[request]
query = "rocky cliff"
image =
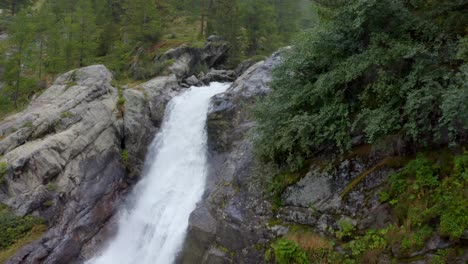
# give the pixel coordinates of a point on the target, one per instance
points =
(75, 152)
(248, 206)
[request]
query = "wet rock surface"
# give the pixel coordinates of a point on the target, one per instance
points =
(232, 200)
(243, 222)
(187, 61)
(64, 156)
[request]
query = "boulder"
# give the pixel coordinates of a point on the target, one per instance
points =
(219, 76)
(192, 81)
(187, 61)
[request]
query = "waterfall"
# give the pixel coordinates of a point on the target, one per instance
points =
(151, 230)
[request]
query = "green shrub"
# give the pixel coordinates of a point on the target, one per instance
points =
(288, 252)
(372, 240)
(425, 191)
(125, 158)
(346, 229)
(14, 227)
(374, 68)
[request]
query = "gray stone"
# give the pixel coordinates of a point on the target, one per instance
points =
(193, 81)
(72, 137)
(232, 195)
(188, 61)
(219, 76)
(313, 188)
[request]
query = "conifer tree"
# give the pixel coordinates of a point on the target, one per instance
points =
(21, 34)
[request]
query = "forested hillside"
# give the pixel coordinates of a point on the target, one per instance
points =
(48, 37)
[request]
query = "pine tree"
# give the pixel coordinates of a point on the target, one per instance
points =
(142, 22)
(258, 18)
(226, 23)
(21, 35)
(87, 32)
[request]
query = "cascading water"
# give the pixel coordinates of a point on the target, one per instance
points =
(152, 231)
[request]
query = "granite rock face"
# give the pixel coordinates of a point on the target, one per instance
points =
(64, 156)
(187, 61)
(236, 222)
(232, 204)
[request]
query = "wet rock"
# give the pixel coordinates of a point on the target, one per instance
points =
(214, 38)
(219, 76)
(313, 188)
(216, 256)
(187, 61)
(193, 81)
(232, 196)
(72, 137)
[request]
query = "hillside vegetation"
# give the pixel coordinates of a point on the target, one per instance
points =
(48, 37)
(370, 69)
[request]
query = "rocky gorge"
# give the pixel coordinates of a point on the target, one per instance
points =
(73, 155)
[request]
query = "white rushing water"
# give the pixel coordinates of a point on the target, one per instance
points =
(152, 229)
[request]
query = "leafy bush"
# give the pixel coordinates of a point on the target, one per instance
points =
(14, 227)
(371, 241)
(346, 229)
(374, 68)
(288, 252)
(426, 191)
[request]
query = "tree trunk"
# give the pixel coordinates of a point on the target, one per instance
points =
(40, 58)
(202, 14)
(82, 44)
(13, 7)
(18, 77)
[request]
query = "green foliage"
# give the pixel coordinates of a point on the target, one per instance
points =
(125, 158)
(142, 21)
(52, 187)
(288, 252)
(48, 203)
(371, 68)
(3, 170)
(14, 227)
(372, 240)
(146, 69)
(66, 114)
(426, 191)
(347, 229)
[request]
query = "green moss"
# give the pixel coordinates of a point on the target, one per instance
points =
(3, 170)
(13, 228)
(34, 234)
(52, 187)
(70, 84)
(392, 162)
(66, 114)
(282, 181)
(287, 252)
(125, 158)
(428, 195)
(28, 124)
(48, 203)
(432, 190)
